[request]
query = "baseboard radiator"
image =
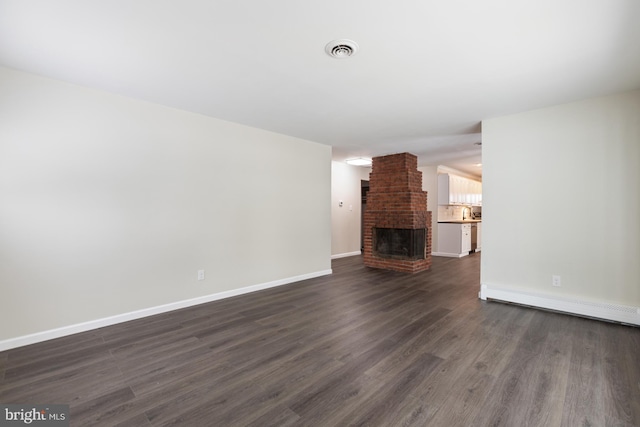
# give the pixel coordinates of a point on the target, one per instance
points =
(599, 310)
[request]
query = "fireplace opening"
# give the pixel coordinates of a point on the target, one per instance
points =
(399, 243)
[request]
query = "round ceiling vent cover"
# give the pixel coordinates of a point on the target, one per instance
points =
(341, 48)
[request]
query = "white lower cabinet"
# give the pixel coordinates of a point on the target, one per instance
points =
(453, 239)
(465, 243)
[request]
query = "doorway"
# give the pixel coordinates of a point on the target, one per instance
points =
(364, 189)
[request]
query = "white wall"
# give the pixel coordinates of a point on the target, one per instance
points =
(110, 205)
(346, 220)
(560, 197)
(430, 185)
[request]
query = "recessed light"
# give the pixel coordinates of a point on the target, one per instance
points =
(360, 161)
(341, 48)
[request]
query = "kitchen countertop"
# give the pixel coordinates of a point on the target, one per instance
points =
(460, 221)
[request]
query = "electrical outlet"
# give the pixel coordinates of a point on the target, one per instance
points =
(200, 274)
(556, 281)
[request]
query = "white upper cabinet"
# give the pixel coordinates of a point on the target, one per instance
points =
(446, 194)
(476, 193)
(456, 190)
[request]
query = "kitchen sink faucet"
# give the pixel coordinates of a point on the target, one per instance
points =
(464, 211)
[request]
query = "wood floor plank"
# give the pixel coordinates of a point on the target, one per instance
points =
(584, 400)
(181, 375)
(203, 406)
(622, 373)
(71, 386)
(3, 364)
(277, 416)
(359, 347)
(394, 391)
(495, 356)
(532, 389)
(145, 377)
(463, 405)
(83, 412)
(279, 384)
(369, 335)
(49, 350)
(138, 421)
(340, 387)
(507, 401)
(548, 392)
(405, 354)
(57, 369)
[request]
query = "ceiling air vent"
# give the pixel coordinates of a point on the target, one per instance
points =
(341, 48)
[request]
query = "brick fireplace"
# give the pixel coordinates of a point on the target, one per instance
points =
(397, 225)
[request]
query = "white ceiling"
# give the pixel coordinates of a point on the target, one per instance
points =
(427, 72)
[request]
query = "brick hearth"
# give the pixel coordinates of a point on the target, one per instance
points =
(396, 201)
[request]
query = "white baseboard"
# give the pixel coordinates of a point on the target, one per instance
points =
(606, 311)
(125, 317)
(347, 254)
(447, 254)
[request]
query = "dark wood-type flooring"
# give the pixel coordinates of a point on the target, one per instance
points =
(359, 347)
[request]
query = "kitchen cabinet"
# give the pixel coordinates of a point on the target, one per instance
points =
(465, 239)
(456, 190)
(449, 189)
(454, 239)
(475, 192)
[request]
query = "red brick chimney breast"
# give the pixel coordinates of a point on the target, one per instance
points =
(396, 201)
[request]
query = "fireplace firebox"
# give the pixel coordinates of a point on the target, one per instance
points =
(399, 243)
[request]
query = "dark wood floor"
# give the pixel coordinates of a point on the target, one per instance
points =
(359, 347)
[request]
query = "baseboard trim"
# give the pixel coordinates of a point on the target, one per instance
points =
(447, 254)
(606, 311)
(146, 312)
(345, 255)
